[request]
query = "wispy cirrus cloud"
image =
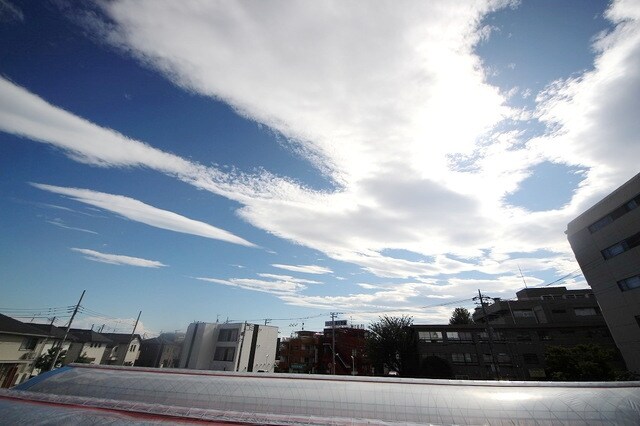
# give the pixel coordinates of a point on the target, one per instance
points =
(144, 213)
(273, 286)
(307, 269)
(118, 259)
(60, 223)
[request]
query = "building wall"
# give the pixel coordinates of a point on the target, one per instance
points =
(76, 350)
(590, 235)
(229, 347)
(519, 349)
(16, 361)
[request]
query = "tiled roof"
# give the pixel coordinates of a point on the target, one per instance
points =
(89, 336)
(9, 325)
(53, 331)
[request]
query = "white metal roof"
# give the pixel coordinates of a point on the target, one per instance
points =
(312, 399)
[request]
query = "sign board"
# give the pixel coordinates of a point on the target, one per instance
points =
(338, 323)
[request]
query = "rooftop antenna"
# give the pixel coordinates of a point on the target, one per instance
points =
(522, 276)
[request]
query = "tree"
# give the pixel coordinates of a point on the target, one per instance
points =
(585, 362)
(390, 343)
(460, 316)
(43, 362)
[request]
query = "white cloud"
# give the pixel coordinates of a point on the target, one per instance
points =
(288, 278)
(277, 286)
(144, 213)
(60, 223)
(307, 269)
(118, 259)
(392, 105)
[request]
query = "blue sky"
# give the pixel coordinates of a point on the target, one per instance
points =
(285, 160)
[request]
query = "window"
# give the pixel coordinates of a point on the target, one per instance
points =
(224, 354)
(622, 246)
(459, 335)
(464, 358)
(430, 336)
(132, 348)
(530, 358)
(617, 213)
(585, 312)
(228, 335)
(504, 358)
(523, 313)
(629, 283)
(600, 224)
(28, 343)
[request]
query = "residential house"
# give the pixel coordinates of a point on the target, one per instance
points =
(89, 347)
(123, 349)
(53, 339)
(162, 351)
(20, 345)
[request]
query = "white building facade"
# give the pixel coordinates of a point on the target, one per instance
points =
(229, 347)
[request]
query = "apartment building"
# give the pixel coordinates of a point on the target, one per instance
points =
(229, 347)
(521, 331)
(123, 349)
(606, 242)
(20, 345)
(162, 351)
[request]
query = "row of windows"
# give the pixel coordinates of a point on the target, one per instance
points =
(522, 336)
(503, 358)
(96, 345)
(617, 213)
(228, 335)
(622, 246)
(224, 354)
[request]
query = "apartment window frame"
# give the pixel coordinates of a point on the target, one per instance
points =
(228, 335)
(615, 214)
(586, 311)
(224, 353)
(629, 283)
(28, 343)
(430, 336)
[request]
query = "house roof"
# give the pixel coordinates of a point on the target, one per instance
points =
(89, 336)
(121, 338)
(55, 332)
(9, 325)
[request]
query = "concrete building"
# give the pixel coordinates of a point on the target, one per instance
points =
(20, 345)
(122, 349)
(546, 305)
(522, 331)
(229, 347)
(299, 353)
(162, 351)
(605, 240)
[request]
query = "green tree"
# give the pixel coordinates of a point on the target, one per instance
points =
(460, 316)
(585, 362)
(390, 343)
(43, 362)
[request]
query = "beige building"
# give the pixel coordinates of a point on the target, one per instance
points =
(89, 345)
(606, 240)
(123, 349)
(20, 345)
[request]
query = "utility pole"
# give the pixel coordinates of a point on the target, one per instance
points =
(131, 338)
(333, 341)
(66, 332)
(489, 333)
